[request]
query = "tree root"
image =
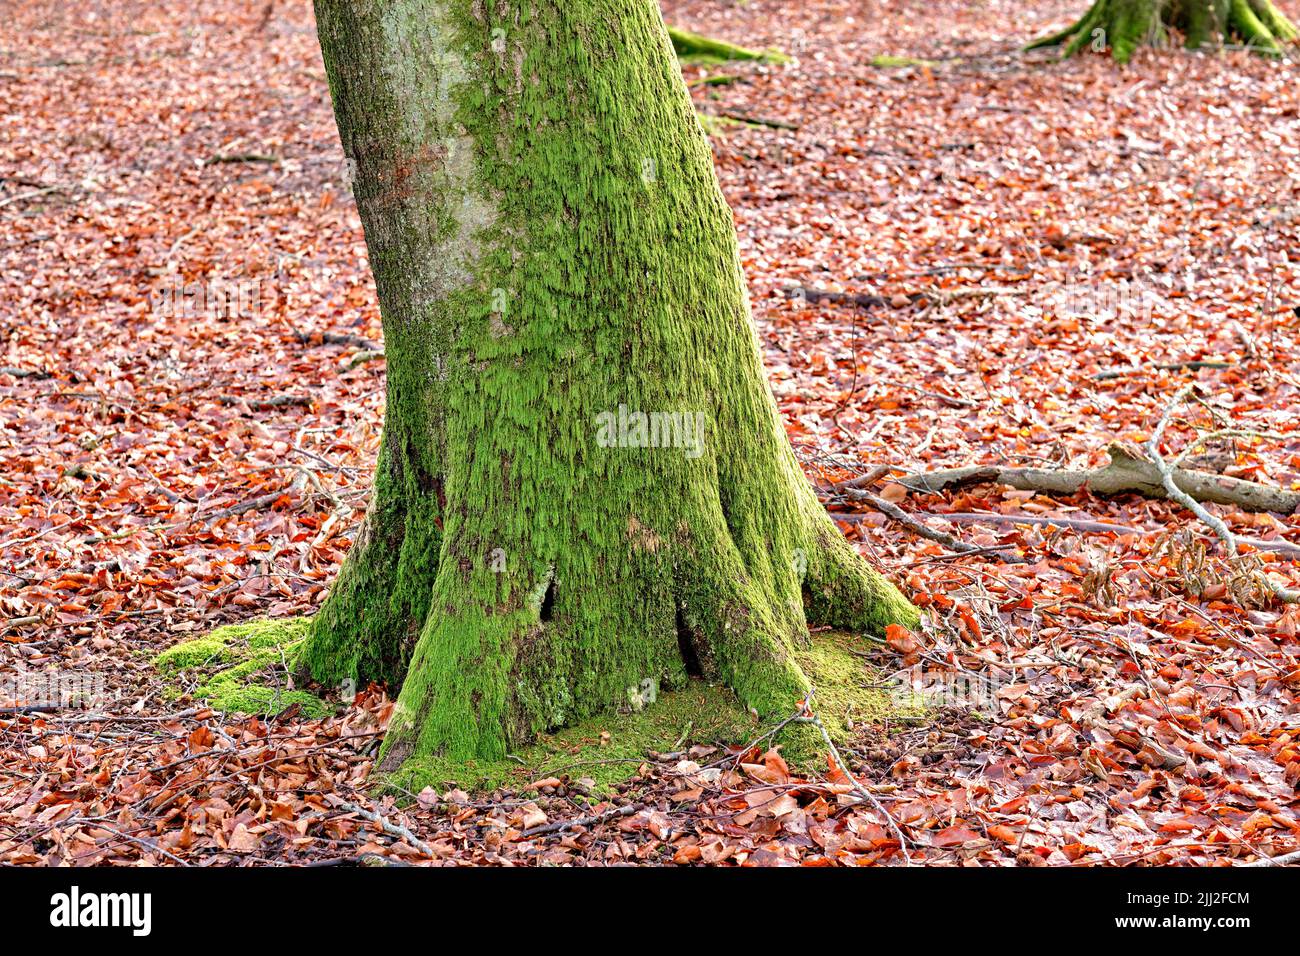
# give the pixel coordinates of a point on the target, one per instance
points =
(1124, 25)
(695, 48)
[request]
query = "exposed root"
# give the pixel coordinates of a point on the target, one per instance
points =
(694, 48)
(609, 747)
(751, 634)
(841, 591)
(1123, 25)
(557, 648)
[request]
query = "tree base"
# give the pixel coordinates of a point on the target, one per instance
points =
(1124, 25)
(711, 568)
(728, 606)
(608, 749)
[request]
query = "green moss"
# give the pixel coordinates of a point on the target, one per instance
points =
(367, 627)
(1247, 22)
(202, 652)
(263, 633)
(609, 748)
(696, 49)
(606, 749)
(716, 125)
(847, 687)
(237, 698)
(228, 661)
(885, 61)
(717, 79)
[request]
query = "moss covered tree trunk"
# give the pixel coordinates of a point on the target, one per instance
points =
(1123, 25)
(584, 491)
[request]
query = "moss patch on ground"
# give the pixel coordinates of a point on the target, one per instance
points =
(234, 666)
(884, 61)
(850, 692)
(610, 748)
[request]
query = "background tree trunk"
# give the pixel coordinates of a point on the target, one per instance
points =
(1124, 25)
(553, 256)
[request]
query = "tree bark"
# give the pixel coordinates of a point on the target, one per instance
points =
(584, 487)
(1123, 25)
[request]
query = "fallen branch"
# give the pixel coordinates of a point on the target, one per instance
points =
(1129, 472)
(1074, 524)
(217, 159)
(258, 503)
(1286, 859)
(977, 517)
(864, 480)
(392, 829)
(21, 197)
(1086, 525)
(1169, 479)
(36, 373)
(811, 717)
(867, 300)
(131, 718)
(275, 401)
(35, 709)
(362, 357)
(361, 859)
(1162, 366)
(335, 338)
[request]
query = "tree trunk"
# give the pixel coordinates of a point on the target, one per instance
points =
(1124, 25)
(585, 490)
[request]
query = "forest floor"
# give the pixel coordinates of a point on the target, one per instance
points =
(1037, 247)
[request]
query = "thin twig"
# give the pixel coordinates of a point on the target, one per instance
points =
(148, 844)
(809, 716)
(907, 521)
(595, 818)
